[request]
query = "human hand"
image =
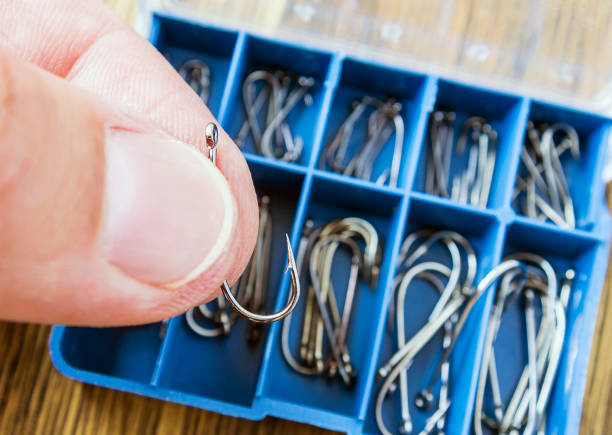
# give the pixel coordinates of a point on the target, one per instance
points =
(110, 213)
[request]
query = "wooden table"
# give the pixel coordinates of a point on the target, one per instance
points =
(36, 399)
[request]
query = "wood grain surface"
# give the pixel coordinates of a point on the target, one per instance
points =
(36, 399)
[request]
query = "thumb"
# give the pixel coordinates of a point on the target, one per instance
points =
(104, 220)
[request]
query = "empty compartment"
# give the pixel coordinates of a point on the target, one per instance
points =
(504, 113)
(563, 251)
(227, 368)
(582, 173)
(483, 232)
(359, 80)
(180, 41)
(330, 399)
(125, 352)
(259, 54)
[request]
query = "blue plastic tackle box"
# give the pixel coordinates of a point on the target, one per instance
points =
(229, 377)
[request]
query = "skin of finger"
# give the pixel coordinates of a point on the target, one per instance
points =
(173, 106)
(53, 268)
(85, 43)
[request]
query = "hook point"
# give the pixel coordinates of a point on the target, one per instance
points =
(290, 257)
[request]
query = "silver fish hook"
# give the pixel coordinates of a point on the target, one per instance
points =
(212, 136)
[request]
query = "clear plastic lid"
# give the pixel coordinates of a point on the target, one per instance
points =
(548, 49)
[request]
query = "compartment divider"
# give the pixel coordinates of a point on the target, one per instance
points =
(334, 421)
(162, 353)
(330, 85)
(232, 84)
(428, 99)
(446, 202)
(392, 247)
(597, 195)
(561, 232)
(153, 37)
(514, 156)
(355, 182)
(273, 163)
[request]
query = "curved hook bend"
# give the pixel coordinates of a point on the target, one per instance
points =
(291, 303)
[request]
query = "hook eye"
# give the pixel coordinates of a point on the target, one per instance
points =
(269, 318)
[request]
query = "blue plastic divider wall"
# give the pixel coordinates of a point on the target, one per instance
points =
(228, 376)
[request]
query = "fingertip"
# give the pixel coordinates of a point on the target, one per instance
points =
(169, 213)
